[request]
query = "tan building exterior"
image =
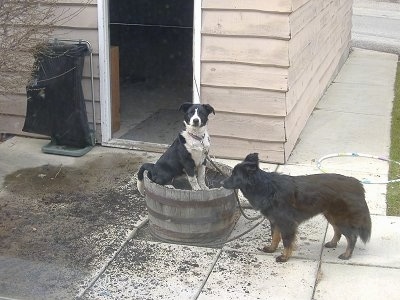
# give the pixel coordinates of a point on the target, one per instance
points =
(263, 65)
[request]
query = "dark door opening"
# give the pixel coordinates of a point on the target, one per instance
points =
(154, 40)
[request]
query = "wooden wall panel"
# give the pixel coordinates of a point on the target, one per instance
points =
(256, 5)
(304, 62)
(252, 127)
(13, 104)
(89, 111)
(296, 4)
(76, 16)
(245, 23)
(89, 35)
(245, 76)
(260, 51)
(316, 48)
(91, 2)
(86, 86)
(86, 66)
(14, 124)
(239, 148)
(246, 101)
(302, 17)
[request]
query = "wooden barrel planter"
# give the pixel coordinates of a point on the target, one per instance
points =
(181, 215)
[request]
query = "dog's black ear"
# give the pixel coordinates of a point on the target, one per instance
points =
(250, 167)
(252, 157)
(251, 162)
(209, 108)
(185, 106)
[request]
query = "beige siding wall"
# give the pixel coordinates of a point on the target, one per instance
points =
(244, 74)
(80, 23)
(279, 6)
(265, 64)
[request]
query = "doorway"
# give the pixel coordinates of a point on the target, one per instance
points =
(154, 42)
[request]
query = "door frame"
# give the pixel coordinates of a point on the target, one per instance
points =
(105, 70)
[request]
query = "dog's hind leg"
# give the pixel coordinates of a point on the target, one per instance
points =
(351, 242)
(336, 237)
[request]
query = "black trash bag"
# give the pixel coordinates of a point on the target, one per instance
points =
(37, 118)
(56, 106)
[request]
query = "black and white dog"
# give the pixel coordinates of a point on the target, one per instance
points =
(187, 154)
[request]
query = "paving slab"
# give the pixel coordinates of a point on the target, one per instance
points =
(19, 152)
(345, 120)
(347, 97)
(366, 67)
(60, 271)
(239, 275)
(336, 132)
(375, 195)
(382, 250)
(150, 270)
(309, 239)
(364, 169)
(337, 281)
(369, 167)
(28, 279)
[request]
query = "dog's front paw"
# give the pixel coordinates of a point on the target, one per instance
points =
(140, 187)
(330, 245)
(344, 256)
(204, 186)
(282, 258)
(267, 249)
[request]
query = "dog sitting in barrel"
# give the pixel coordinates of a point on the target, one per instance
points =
(286, 201)
(187, 154)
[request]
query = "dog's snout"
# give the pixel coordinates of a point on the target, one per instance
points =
(196, 121)
(223, 183)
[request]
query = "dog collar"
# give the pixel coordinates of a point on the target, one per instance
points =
(196, 137)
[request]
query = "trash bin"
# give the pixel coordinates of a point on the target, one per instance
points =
(55, 102)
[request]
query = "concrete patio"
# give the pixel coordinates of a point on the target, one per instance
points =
(114, 258)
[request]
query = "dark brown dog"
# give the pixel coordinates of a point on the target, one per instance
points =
(286, 201)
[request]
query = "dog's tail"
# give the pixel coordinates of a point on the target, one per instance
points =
(145, 167)
(365, 228)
